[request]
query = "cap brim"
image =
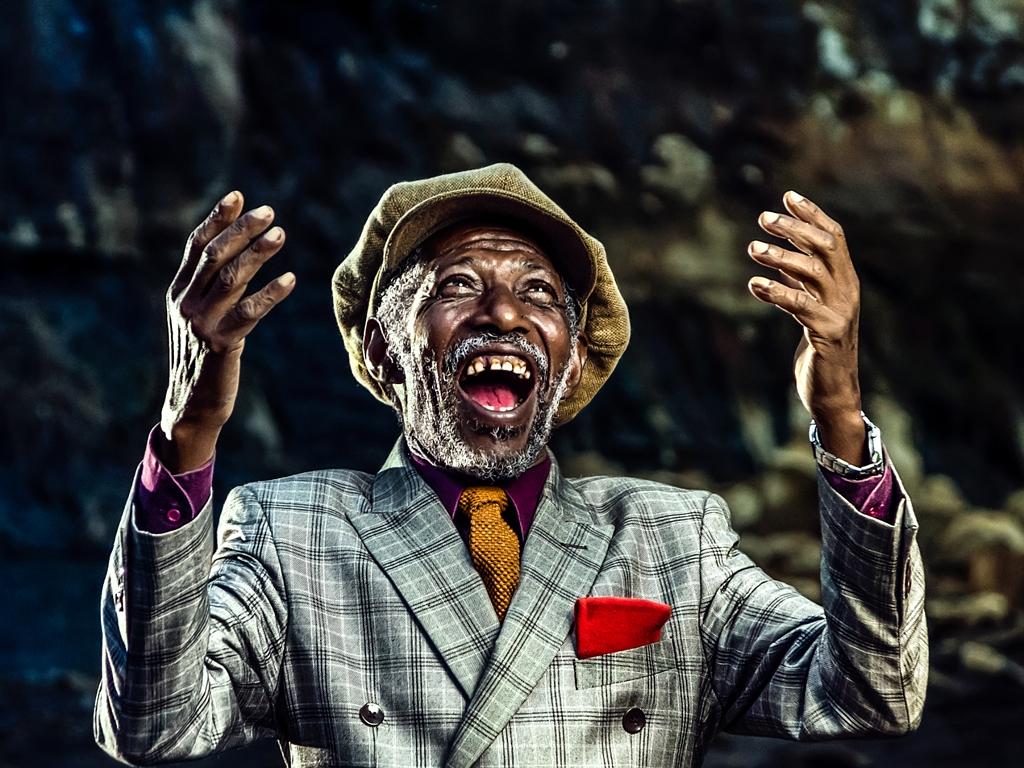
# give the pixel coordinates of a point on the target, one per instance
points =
(563, 244)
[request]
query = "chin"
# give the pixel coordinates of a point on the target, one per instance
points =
(490, 417)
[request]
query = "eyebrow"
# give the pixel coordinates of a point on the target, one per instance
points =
(457, 262)
(527, 264)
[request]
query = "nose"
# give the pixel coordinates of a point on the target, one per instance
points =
(501, 311)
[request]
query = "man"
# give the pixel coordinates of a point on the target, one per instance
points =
(469, 604)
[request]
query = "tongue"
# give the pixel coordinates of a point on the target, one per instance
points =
(491, 395)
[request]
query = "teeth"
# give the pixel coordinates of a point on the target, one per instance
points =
(498, 363)
(500, 409)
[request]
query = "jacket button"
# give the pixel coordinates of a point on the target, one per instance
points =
(634, 720)
(371, 714)
(173, 515)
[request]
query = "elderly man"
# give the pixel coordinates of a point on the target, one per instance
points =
(470, 605)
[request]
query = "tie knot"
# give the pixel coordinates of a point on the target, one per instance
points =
(480, 497)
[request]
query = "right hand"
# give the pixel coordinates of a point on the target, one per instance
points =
(207, 322)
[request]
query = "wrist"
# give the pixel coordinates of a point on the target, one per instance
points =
(847, 419)
(183, 447)
(871, 466)
(844, 435)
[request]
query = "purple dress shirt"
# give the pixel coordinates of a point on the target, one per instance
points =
(524, 492)
(167, 501)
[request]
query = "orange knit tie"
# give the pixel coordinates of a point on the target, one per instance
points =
(493, 544)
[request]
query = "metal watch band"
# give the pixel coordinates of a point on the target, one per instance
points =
(842, 468)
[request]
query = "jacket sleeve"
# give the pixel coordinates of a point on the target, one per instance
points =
(782, 665)
(192, 639)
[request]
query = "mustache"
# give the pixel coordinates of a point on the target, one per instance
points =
(458, 354)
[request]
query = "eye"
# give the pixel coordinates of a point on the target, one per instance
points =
(542, 294)
(456, 286)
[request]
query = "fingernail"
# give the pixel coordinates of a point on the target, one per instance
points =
(758, 247)
(760, 283)
(286, 280)
(274, 235)
(230, 198)
(769, 217)
(795, 197)
(263, 212)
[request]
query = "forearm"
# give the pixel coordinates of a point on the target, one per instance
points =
(784, 666)
(873, 595)
(175, 684)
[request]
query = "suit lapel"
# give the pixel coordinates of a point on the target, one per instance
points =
(563, 552)
(414, 541)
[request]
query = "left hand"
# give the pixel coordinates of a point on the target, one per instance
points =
(818, 286)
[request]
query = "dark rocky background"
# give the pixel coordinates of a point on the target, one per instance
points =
(665, 127)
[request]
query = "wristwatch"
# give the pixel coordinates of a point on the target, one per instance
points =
(842, 468)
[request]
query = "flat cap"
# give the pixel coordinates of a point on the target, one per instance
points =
(411, 211)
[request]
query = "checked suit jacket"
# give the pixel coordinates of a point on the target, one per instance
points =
(332, 590)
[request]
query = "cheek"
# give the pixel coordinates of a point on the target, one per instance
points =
(433, 328)
(556, 338)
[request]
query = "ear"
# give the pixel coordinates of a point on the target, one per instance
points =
(377, 357)
(577, 362)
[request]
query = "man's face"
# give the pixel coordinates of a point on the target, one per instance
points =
(490, 353)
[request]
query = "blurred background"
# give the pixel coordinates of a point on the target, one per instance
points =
(664, 127)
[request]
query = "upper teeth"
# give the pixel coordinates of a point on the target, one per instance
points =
(498, 363)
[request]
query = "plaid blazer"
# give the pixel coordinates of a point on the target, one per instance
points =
(334, 590)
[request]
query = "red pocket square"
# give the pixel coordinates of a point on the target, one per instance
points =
(610, 624)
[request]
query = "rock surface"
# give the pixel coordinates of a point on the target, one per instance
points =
(665, 127)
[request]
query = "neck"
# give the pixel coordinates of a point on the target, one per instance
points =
(469, 473)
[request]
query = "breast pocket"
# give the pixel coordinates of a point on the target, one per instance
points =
(623, 666)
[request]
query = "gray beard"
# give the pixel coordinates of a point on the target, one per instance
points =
(432, 426)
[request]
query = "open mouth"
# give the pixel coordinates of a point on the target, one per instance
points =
(497, 383)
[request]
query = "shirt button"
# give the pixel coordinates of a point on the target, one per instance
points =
(173, 515)
(371, 714)
(873, 510)
(634, 720)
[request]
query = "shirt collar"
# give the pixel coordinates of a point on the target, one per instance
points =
(523, 491)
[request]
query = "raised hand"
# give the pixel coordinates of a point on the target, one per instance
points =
(208, 319)
(818, 286)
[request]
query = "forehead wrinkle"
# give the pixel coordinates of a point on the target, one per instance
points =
(499, 244)
(525, 263)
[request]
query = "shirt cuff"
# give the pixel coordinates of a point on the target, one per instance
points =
(165, 501)
(871, 496)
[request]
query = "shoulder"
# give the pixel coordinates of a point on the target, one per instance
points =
(618, 496)
(324, 492)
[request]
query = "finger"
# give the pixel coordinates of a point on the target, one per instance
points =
(223, 214)
(224, 247)
(800, 304)
(792, 282)
(805, 210)
(807, 271)
(242, 318)
(233, 278)
(807, 237)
